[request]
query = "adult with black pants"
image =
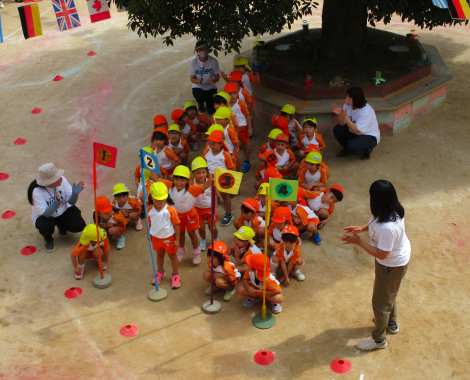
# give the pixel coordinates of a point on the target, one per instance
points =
(53, 200)
(204, 73)
(357, 130)
(391, 248)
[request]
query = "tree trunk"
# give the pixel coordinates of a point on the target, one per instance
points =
(344, 30)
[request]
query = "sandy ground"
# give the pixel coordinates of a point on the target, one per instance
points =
(112, 98)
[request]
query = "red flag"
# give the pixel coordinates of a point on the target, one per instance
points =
(98, 10)
(104, 154)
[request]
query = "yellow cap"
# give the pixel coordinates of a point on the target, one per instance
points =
(159, 191)
(189, 104)
(146, 149)
(215, 127)
(263, 189)
(182, 171)
(224, 95)
(314, 158)
(288, 108)
(223, 113)
(240, 61)
(89, 234)
(174, 127)
(274, 133)
(311, 119)
(198, 163)
(245, 233)
(120, 188)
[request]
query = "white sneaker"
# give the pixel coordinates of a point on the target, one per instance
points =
(1, 4)
(370, 344)
(299, 275)
(276, 307)
(249, 302)
(180, 253)
(138, 225)
(203, 244)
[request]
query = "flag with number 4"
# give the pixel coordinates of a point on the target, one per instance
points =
(149, 161)
(283, 190)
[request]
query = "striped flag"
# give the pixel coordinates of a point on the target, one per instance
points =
(459, 9)
(440, 3)
(30, 20)
(98, 10)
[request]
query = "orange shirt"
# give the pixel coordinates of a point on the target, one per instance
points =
(228, 269)
(322, 166)
(254, 223)
(288, 257)
(306, 177)
(271, 283)
(132, 202)
(79, 248)
(213, 161)
(264, 148)
(304, 142)
(203, 119)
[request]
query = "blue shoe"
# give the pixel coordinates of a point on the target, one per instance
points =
(228, 218)
(121, 242)
(246, 167)
(317, 239)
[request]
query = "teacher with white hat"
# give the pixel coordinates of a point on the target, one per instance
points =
(53, 200)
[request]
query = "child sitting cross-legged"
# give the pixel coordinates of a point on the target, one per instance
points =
(130, 207)
(111, 220)
(249, 217)
(312, 176)
(243, 246)
(281, 219)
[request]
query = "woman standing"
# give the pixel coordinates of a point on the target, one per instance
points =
(357, 130)
(391, 248)
(53, 200)
(204, 73)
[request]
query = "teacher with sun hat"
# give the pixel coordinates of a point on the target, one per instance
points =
(53, 204)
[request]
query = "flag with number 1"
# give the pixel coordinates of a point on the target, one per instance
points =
(104, 154)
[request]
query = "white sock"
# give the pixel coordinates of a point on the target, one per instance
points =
(81, 266)
(273, 267)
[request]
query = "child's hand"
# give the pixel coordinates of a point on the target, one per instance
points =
(76, 270)
(296, 219)
(252, 291)
(282, 280)
(223, 75)
(250, 132)
(287, 281)
(176, 243)
(125, 213)
(200, 80)
(212, 83)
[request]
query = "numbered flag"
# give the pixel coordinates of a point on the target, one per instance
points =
(227, 181)
(104, 154)
(149, 162)
(283, 190)
(98, 10)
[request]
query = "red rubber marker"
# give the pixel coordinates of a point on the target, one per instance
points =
(264, 357)
(91, 53)
(73, 292)
(340, 366)
(4, 176)
(19, 142)
(28, 250)
(57, 78)
(36, 111)
(129, 330)
(8, 214)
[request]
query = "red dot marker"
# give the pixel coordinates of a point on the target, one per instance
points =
(8, 214)
(36, 111)
(129, 330)
(4, 176)
(19, 142)
(264, 357)
(340, 366)
(28, 250)
(73, 292)
(91, 53)
(57, 78)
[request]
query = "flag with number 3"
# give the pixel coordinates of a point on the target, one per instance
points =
(149, 162)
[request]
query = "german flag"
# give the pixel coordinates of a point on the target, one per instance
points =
(459, 9)
(30, 21)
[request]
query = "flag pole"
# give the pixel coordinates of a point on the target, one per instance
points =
(96, 222)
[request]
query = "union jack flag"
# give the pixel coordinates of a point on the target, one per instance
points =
(66, 13)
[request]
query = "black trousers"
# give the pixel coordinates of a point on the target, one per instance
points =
(71, 220)
(207, 97)
(355, 144)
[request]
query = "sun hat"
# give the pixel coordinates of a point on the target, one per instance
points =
(182, 171)
(314, 158)
(224, 95)
(274, 132)
(245, 233)
(222, 113)
(120, 188)
(159, 119)
(146, 149)
(251, 204)
(258, 262)
(231, 87)
(235, 76)
(161, 130)
(198, 163)
(241, 61)
(159, 191)
(89, 234)
(281, 215)
(189, 104)
(312, 148)
(220, 247)
(48, 174)
(215, 127)
(282, 137)
(290, 230)
(103, 204)
(174, 127)
(176, 114)
(288, 108)
(216, 136)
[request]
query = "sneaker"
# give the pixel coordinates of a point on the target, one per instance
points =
(160, 275)
(276, 307)
(63, 233)
(200, 107)
(175, 281)
(228, 218)
(194, 147)
(208, 290)
(393, 328)
(80, 276)
(367, 154)
(317, 239)
(49, 247)
(203, 245)
(371, 344)
(249, 302)
(138, 225)
(1, 4)
(196, 255)
(229, 294)
(104, 266)
(299, 275)
(342, 153)
(180, 253)
(121, 242)
(246, 167)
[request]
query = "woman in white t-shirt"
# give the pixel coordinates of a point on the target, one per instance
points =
(53, 204)
(357, 130)
(204, 73)
(391, 248)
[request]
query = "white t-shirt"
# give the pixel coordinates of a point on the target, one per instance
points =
(44, 196)
(391, 237)
(206, 70)
(365, 120)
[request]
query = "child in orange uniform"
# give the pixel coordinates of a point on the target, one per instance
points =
(253, 283)
(286, 163)
(222, 117)
(200, 120)
(243, 246)
(261, 199)
(177, 145)
(241, 65)
(295, 129)
(188, 129)
(249, 217)
(226, 275)
(243, 95)
(303, 163)
(288, 255)
(166, 157)
(280, 122)
(323, 203)
(137, 172)
(271, 144)
(310, 137)
(164, 231)
(222, 99)
(267, 160)
(312, 177)
(111, 220)
(88, 246)
(281, 219)
(130, 207)
(159, 121)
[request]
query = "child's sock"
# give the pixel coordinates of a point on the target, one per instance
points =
(82, 265)
(273, 267)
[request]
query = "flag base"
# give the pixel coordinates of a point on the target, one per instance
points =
(102, 283)
(155, 296)
(211, 309)
(264, 324)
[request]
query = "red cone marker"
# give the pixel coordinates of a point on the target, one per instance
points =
(8, 214)
(36, 111)
(4, 176)
(28, 250)
(73, 292)
(19, 142)
(264, 357)
(340, 366)
(91, 53)
(57, 78)
(129, 330)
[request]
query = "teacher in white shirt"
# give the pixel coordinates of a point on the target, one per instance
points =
(391, 248)
(204, 73)
(357, 130)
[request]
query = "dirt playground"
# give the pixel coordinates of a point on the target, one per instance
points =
(112, 98)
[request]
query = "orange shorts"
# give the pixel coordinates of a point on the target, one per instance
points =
(314, 220)
(243, 134)
(189, 220)
(205, 213)
(286, 173)
(90, 255)
(166, 244)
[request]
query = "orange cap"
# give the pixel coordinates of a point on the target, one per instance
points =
(271, 173)
(159, 119)
(282, 137)
(217, 136)
(103, 204)
(252, 204)
(231, 87)
(290, 230)
(337, 187)
(281, 123)
(162, 130)
(258, 262)
(269, 157)
(219, 247)
(235, 76)
(312, 148)
(281, 215)
(176, 114)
